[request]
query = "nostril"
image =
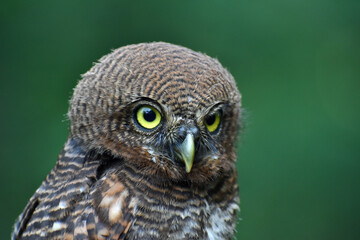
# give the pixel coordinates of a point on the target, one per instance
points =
(182, 133)
(194, 130)
(185, 130)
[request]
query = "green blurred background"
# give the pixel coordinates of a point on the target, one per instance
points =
(297, 64)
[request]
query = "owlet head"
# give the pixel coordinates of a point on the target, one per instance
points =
(159, 107)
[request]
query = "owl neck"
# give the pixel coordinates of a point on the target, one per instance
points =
(97, 165)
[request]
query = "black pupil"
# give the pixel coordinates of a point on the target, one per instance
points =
(149, 115)
(210, 119)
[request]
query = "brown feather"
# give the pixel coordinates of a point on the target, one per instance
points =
(117, 180)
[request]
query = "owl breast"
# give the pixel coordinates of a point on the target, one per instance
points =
(168, 210)
(205, 221)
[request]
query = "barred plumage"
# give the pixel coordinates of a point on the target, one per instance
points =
(118, 178)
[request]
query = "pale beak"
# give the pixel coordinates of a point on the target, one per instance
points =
(186, 151)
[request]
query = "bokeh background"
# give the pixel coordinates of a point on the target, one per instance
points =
(297, 64)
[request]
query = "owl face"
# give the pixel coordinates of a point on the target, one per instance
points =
(163, 108)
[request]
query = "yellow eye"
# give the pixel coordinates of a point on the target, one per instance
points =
(148, 117)
(212, 121)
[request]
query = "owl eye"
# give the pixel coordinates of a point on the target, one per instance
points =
(148, 117)
(212, 121)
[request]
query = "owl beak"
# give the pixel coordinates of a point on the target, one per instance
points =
(186, 151)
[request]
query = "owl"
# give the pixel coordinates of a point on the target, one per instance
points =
(150, 153)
